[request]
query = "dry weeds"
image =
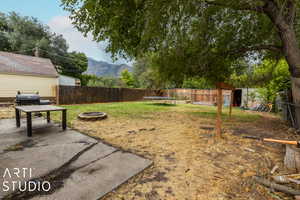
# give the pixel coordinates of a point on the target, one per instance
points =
(188, 163)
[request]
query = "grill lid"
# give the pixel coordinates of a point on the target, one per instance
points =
(28, 97)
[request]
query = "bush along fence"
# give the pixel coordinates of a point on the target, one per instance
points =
(83, 94)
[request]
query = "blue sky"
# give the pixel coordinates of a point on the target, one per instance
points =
(49, 12)
(44, 10)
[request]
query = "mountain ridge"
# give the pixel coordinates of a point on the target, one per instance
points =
(102, 68)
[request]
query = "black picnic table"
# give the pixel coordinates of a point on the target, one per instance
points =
(39, 108)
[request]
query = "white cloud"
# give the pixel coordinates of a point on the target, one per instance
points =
(77, 41)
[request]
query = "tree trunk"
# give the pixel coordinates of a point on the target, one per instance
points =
(296, 99)
(290, 48)
(292, 158)
(292, 54)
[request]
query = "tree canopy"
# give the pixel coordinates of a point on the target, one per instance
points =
(207, 38)
(146, 74)
(128, 79)
(24, 34)
(270, 77)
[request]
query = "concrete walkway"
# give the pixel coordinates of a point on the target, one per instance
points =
(75, 165)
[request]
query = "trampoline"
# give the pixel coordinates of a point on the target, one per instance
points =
(170, 100)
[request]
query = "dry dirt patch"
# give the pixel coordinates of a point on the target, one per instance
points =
(6, 112)
(188, 163)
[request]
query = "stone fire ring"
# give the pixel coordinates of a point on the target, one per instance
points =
(92, 116)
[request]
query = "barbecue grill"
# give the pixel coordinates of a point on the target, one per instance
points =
(30, 99)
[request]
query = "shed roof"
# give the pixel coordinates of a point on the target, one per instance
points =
(11, 63)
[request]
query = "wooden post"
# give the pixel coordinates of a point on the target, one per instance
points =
(292, 158)
(57, 95)
(231, 103)
(18, 121)
(29, 124)
(219, 114)
(48, 117)
(64, 119)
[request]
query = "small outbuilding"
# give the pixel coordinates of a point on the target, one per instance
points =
(26, 74)
(68, 81)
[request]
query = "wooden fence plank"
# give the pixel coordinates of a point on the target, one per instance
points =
(83, 94)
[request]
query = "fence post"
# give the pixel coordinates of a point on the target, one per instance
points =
(219, 114)
(57, 95)
(231, 102)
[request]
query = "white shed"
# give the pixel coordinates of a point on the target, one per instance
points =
(67, 80)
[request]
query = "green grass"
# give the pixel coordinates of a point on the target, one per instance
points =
(119, 110)
(144, 110)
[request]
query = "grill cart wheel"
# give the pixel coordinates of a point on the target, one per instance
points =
(92, 116)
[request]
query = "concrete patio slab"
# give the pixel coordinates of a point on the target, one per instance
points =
(93, 168)
(102, 176)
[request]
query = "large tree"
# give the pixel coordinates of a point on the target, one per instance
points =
(145, 72)
(24, 35)
(196, 37)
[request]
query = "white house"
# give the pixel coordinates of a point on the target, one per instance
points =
(26, 74)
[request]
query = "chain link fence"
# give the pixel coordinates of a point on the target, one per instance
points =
(290, 112)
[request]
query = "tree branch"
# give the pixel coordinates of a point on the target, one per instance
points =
(291, 11)
(275, 48)
(243, 7)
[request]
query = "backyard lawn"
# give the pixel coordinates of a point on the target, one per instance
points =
(188, 162)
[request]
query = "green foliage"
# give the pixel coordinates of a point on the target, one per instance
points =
(110, 82)
(95, 81)
(270, 77)
(197, 83)
(280, 80)
(23, 34)
(190, 38)
(128, 79)
(76, 64)
(146, 74)
(84, 79)
(4, 43)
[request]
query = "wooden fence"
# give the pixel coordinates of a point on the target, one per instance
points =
(83, 94)
(208, 96)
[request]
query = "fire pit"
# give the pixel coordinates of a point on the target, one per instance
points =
(92, 116)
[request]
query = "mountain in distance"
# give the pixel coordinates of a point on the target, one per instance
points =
(101, 68)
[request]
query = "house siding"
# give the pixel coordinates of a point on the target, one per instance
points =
(11, 84)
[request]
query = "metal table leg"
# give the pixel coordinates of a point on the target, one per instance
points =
(18, 121)
(48, 116)
(64, 119)
(29, 124)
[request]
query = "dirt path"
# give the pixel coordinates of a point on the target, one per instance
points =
(188, 163)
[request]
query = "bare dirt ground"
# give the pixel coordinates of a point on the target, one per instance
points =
(188, 163)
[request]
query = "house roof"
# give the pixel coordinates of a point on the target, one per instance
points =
(11, 63)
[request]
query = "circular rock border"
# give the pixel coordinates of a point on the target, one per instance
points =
(92, 116)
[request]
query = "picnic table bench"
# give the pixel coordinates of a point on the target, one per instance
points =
(38, 108)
